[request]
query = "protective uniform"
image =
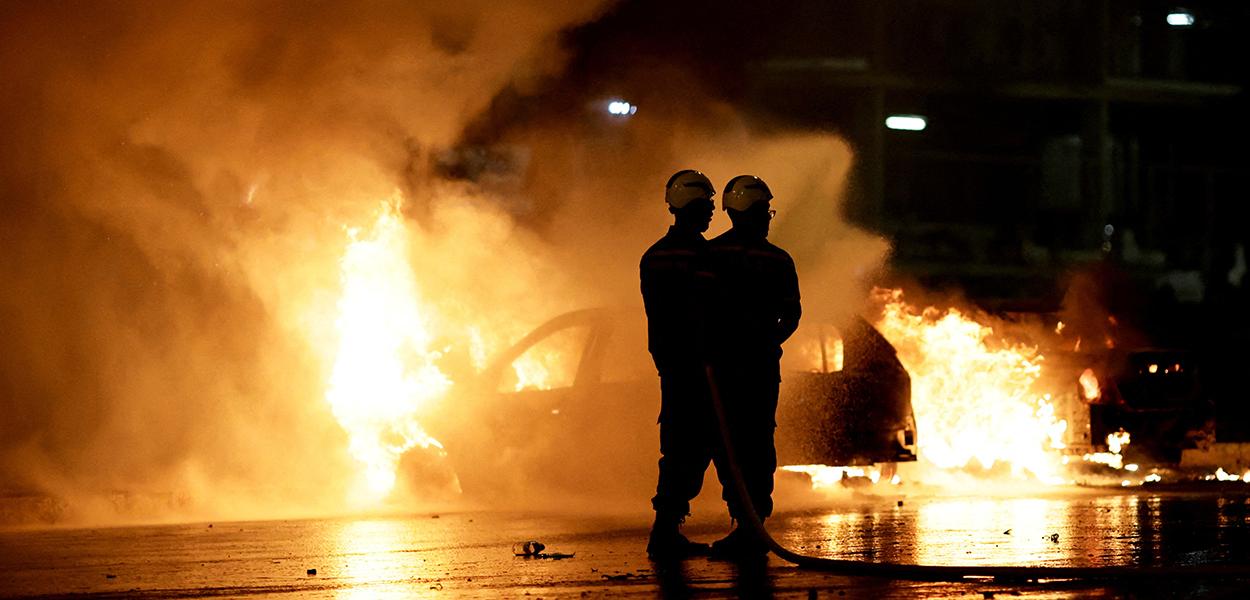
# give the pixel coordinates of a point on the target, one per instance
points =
(756, 309)
(674, 291)
(674, 279)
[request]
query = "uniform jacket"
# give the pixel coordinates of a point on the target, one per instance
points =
(674, 290)
(756, 306)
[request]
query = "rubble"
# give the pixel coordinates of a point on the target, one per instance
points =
(534, 549)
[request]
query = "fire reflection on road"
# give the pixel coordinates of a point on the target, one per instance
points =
(462, 554)
(376, 557)
(1090, 530)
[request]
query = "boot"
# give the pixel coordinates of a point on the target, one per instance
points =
(666, 541)
(740, 544)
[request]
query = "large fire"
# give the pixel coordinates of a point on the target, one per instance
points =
(384, 372)
(973, 393)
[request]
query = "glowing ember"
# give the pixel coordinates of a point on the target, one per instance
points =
(1089, 385)
(973, 394)
(384, 373)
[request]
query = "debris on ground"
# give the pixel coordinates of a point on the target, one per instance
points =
(624, 576)
(534, 549)
(1008, 532)
(1054, 538)
(110, 576)
(528, 548)
(312, 571)
(554, 555)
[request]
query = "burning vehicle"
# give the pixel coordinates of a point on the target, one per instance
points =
(1155, 395)
(586, 375)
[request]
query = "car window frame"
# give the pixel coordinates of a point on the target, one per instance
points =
(592, 319)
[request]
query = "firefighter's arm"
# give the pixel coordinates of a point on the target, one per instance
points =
(648, 285)
(791, 309)
(703, 292)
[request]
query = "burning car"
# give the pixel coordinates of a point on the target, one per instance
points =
(1154, 394)
(573, 405)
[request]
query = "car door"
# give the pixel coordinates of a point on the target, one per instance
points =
(520, 415)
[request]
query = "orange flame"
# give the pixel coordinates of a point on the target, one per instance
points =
(973, 393)
(384, 373)
(1116, 442)
(822, 351)
(1089, 385)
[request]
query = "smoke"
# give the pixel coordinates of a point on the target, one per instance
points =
(176, 182)
(179, 181)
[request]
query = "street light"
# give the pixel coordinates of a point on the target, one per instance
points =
(906, 122)
(621, 108)
(1181, 18)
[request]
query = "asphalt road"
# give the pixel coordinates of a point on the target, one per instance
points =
(470, 554)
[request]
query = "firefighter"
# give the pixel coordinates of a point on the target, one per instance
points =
(755, 306)
(673, 275)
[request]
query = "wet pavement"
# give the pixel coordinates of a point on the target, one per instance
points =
(470, 554)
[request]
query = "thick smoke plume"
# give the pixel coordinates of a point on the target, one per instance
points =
(176, 180)
(179, 182)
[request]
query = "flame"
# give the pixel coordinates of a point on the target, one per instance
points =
(550, 363)
(531, 374)
(1089, 385)
(823, 352)
(384, 373)
(825, 477)
(1223, 475)
(973, 394)
(1116, 442)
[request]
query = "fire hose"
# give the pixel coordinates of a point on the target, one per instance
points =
(938, 572)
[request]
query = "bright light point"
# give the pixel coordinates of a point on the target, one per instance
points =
(1131, 467)
(906, 122)
(1125, 483)
(1180, 18)
(621, 108)
(1153, 477)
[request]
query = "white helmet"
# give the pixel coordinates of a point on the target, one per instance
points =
(744, 191)
(686, 186)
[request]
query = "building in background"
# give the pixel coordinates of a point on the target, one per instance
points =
(1001, 144)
